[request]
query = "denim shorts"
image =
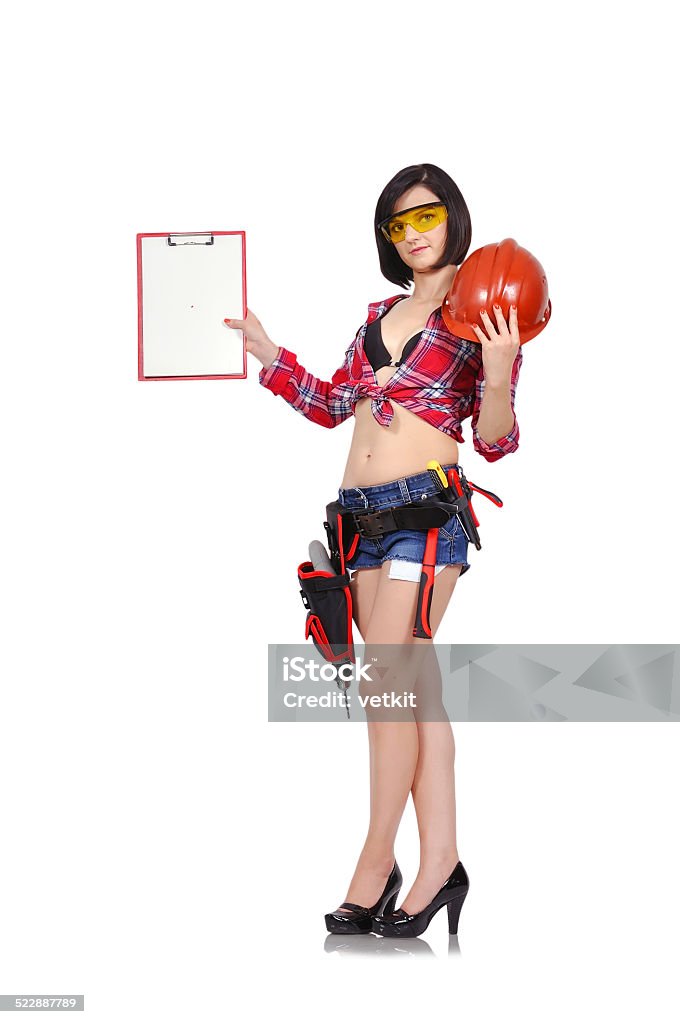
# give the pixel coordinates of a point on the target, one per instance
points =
(406, 547)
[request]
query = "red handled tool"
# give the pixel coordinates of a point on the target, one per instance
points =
(422, 626)
(467, 517)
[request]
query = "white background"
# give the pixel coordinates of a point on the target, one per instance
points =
(163, 849)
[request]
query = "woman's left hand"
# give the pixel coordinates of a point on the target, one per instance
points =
(500, 347)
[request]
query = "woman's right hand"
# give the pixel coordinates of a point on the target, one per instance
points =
(257, 340)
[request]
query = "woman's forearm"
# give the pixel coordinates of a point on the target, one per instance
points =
(496, 415)
(269, 355)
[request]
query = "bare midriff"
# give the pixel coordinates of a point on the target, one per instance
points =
(378, 454)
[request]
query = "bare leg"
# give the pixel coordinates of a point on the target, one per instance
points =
(393, 758)
(393, 746)
(386, 608)
(434, 796)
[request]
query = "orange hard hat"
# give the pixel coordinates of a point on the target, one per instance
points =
(505, 274)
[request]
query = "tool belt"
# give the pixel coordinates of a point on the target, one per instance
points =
(325, 593)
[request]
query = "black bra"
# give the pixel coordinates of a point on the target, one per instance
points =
(375, 350)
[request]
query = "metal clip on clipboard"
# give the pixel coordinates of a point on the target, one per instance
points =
(199, 238)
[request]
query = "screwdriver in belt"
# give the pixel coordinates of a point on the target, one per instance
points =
(438, 477)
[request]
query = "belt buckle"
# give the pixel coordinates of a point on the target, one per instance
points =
(368, 524)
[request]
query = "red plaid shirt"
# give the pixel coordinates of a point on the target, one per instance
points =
(442, 381)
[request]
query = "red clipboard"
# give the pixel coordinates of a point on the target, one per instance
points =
(187, 283)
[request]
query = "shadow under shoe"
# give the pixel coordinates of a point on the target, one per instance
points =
(451, 895)
(351, 919)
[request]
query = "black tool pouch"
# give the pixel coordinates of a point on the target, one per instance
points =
(326, 595)
(328, 601)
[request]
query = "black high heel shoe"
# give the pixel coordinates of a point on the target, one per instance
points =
(451, 895)
(351, 919)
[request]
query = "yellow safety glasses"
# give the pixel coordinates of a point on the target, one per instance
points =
(422, 218)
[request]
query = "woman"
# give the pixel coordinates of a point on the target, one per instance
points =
(409, 382)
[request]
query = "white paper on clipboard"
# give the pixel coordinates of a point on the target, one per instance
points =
(187, 284)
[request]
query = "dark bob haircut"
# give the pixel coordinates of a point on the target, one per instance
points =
(459, 226)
